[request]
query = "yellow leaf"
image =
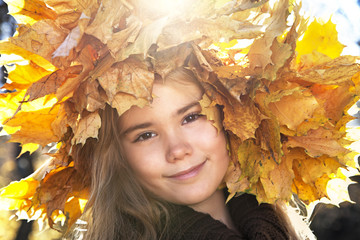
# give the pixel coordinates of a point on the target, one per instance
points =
(8, 48)
(212, 113)
(26, 74)
(251, 161)
(21, 189)
(29, 11)
(35, 126)
(50, 83)
(29, 147)
(320, 37)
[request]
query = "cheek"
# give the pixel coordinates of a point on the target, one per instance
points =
(209, 136)
(143, 161)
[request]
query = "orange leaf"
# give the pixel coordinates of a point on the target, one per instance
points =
(26, 74)
(8, 48)
(29, 11)
(318, 142)
(294, 109)
(35, 126)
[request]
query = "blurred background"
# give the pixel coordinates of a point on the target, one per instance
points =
(329, 222)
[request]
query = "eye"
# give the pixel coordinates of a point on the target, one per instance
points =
(145, 136)
(191, 117)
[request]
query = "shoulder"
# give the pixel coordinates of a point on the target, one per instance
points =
(257, 221)
(186, 223)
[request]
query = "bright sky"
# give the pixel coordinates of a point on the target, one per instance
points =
(346, 14)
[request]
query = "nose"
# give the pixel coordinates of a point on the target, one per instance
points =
(177, 147)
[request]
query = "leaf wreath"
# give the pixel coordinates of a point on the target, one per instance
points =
(284, 100)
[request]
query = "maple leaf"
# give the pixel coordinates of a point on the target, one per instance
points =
(42, 38)
(321, 38)
(260, 52)
(15, 193)
(8, 48)
(318, 142)
(283, 100)
(50, 83)
(277, 182)
(26, 74)
(130, 76)
(87, 127)
(29, 11)
(286, 109)
(35, 126)
(124, 101)
(89, 96)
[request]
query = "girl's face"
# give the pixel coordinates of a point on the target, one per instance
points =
(174, 151)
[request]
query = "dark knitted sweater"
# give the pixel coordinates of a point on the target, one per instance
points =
(252, 221)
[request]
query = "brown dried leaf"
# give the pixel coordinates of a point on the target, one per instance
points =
(50, 83)
(336, 71)
(72, 39)
(130, 76)
(108, 18)
(269, 139)
(242, 119)
(168, 60)
(277, 183)
(223, 27)
(86, 58)
(260, 53)
(148, 35)
(123, 102)
(60, 124)
(42, 38)
(89, 96)
(87, 127)
(234, 182)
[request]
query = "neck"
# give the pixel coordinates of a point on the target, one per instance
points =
(216, 208)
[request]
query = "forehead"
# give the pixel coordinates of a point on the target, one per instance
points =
(168, 98)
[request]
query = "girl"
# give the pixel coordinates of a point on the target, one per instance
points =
(156, 173)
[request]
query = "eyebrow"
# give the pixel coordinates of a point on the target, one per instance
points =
(187, 107)
(149, 124)
(136, 127)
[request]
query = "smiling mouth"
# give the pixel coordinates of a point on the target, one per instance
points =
(189, 173)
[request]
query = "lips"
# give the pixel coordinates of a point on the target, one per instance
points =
(189, 173)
